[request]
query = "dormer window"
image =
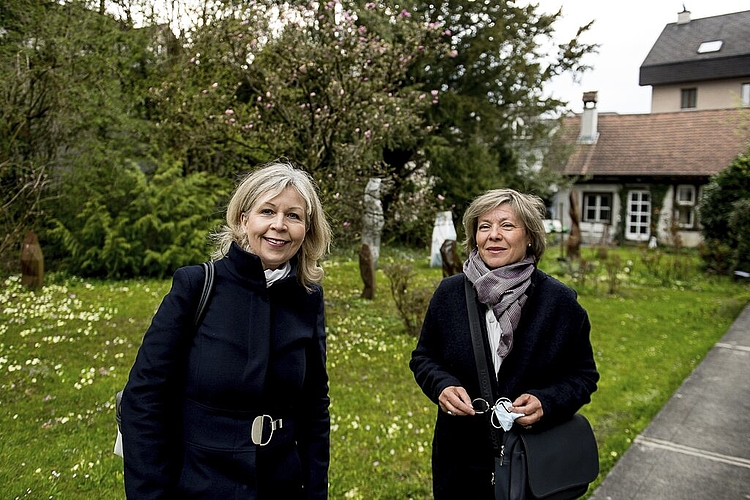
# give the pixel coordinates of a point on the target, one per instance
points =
(712, 46)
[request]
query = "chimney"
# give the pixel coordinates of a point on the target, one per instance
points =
(589, 119)
(684, 16)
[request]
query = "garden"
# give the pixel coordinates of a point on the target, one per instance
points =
(65, 349)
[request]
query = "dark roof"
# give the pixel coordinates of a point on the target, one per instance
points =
(674, 58)
(693, 144)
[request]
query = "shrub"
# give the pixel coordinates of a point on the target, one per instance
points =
(411, 300)
(739, 228)
(140, 225)
(716, 207)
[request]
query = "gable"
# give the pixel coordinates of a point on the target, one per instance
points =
(683, 144)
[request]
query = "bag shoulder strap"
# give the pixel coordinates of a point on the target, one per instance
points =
(208, 285)
(480, 355)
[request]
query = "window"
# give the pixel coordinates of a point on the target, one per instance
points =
(689, 98)
(685, 206)
(745, 94)
(597, 207)
(713, 46)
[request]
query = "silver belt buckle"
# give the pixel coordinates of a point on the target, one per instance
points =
(256, 433)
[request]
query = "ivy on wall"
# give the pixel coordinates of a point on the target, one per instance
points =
(658, 193)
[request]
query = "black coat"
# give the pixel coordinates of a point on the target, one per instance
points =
(551, 358)
(191, 397)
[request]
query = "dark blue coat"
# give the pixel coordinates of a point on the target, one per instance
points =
(191, 397)
(551, 358)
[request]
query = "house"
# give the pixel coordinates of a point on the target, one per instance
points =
(700, 64)
(638, 177)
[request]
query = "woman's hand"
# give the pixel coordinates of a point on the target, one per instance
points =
(530, 406)
(454, 400)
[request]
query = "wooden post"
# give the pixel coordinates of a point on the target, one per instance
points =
(367, 271)
(451, 260)
(32, 262)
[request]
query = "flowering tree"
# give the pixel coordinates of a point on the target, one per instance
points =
(489, 123)
(307, 82)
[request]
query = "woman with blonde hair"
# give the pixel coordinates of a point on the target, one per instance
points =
(237, 405)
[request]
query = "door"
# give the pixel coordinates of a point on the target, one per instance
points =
(638, 222)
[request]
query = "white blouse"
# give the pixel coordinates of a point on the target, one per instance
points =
(494, 332)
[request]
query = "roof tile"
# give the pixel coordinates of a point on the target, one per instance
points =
(687, 143)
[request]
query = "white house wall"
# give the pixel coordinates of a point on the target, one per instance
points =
(592, 235)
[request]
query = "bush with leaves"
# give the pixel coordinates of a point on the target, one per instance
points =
(739, 228)
(134, 224)
(723, 226)
(410, 298)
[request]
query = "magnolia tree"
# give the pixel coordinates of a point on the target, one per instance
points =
(305, 82)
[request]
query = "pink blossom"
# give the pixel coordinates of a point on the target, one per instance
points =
(347, 223)
(440, 197)
(447, 33)
(405, 13)
(434, 93)
(229, 112)
(370, 6)
(453, 53)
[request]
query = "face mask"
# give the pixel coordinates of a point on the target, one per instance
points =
(502, 417)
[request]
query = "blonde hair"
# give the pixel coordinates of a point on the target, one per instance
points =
(271, 179)
(529, 209)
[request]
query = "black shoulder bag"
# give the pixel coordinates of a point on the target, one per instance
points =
(208, 285)
(558, 463)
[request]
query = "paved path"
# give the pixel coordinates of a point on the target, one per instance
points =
(698, 446)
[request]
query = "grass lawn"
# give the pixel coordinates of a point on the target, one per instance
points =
(66, 349)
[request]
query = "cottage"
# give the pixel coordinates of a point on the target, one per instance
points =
(640, 176)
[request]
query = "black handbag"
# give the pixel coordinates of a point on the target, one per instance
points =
(557, 463)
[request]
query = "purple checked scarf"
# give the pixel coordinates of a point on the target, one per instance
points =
(504, 290)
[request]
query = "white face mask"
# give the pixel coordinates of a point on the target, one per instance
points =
(502, 417)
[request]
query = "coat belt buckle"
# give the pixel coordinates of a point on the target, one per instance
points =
(259, 424)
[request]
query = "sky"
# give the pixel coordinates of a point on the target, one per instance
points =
(625, 31)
